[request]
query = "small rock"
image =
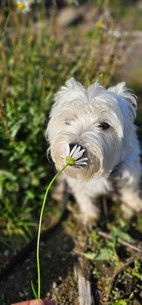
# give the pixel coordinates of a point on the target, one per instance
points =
(11, 277)
(21, 294)
(28, 268)
(54, 285)
(48, 255)
(48, 295)
(6, 253)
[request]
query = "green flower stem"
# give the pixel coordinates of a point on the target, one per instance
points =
(7, 19)
(39, 230)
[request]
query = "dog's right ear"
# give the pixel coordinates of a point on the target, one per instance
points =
(125, 94)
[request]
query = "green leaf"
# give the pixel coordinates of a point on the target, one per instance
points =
(5, 174)
(90, 255)
(16, 127)
(121, 236)
(33, 288)
(120, 302)
(106, 254)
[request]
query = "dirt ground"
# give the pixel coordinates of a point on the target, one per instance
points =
(60, 256)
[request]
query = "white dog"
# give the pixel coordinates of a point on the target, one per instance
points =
(100, 122)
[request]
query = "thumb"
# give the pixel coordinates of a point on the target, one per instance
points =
(41, 302)
(35, 302)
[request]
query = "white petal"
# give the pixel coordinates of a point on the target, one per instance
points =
(83, 159)
(79, 167)
(72, 151)
(82, 163)
(63, 156)
(64, 159)
(67, 150)
(79, 154)
(76, 151)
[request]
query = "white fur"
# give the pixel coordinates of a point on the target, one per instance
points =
(75, 119)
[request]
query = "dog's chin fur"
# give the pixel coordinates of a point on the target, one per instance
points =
(76, 118)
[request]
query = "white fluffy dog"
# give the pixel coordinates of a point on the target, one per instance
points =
(101, 122)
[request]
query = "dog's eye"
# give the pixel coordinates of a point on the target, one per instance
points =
(104, 126)
(68, 122)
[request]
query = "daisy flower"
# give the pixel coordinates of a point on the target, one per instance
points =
(23, 5)
(73, 157)
(100, 25)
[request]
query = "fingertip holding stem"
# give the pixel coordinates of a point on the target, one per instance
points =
(36, 302)
(41, 302)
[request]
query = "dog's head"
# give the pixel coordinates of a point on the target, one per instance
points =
(99, 120)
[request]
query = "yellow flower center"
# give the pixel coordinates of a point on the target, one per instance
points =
(11, 61)
(99, 24)
(21, 6)
(70, 160)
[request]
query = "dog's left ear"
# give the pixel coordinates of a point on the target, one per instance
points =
(125, 94)
(71, 83)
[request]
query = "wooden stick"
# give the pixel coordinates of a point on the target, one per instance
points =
(83, 274)
(125, 243)
(117, 271)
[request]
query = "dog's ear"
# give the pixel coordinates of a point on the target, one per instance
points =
(125, 94)
(70, 83)
(73, 84)
(72, 90)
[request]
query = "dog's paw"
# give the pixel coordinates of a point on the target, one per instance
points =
(131, 199)
(126, 211)
(131, 203)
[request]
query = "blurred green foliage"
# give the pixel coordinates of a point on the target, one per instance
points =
(35, 60)
(130, 11)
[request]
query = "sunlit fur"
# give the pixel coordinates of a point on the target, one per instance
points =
(76, 118)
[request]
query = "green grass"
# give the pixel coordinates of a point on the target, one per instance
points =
(35, 60)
